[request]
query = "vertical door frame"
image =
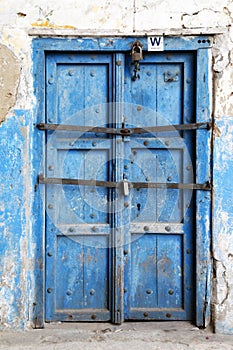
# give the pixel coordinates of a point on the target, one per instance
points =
(200, 46)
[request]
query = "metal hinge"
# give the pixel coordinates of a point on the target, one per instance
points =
(125, 131)
(112, 184)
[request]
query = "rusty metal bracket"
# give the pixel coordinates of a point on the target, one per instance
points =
(64, 127)
(80, 182)
(112, 184)
(180, 186)
(125, 131)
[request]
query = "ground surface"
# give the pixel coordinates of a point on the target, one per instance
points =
(143, 336)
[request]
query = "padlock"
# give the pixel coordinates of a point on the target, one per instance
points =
(137, 51)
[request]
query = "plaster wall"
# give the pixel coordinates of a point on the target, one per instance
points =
(19, 21)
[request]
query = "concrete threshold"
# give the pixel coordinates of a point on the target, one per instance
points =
(130, 335)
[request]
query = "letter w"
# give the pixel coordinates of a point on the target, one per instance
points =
(155, 40)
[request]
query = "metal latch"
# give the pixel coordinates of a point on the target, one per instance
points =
(126, 131)
(137, 56)
(126, 184)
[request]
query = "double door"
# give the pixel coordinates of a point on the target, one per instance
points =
(119, 227)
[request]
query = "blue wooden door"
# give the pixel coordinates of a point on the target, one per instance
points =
(114, 254)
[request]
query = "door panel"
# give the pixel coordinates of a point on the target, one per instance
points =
(152, 264)
(78, 224)
(86, 225)
(158, 270)
(83, 267)
(156, 165)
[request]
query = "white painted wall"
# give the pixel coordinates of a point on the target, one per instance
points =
(20, 18)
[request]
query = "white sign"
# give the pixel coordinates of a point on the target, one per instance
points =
(155, 43)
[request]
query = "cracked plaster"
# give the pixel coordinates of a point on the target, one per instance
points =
(9, 80)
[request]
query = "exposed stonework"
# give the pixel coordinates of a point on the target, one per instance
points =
(9, 80)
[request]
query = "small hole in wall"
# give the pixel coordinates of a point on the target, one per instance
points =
(21, 14)
(214, 272)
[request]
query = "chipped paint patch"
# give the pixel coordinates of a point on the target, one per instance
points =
(47, 24)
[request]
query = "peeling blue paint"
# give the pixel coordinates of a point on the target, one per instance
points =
(223, 165)
(222, 228)
(14, 228)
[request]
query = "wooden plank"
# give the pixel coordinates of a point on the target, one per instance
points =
(37, 306)
(144, 284)
(118, 199)
(97, 271)
(203, 200)
(171, 272)
(120, 44)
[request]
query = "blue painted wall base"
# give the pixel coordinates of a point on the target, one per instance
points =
(14, 220)
(222, 227)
